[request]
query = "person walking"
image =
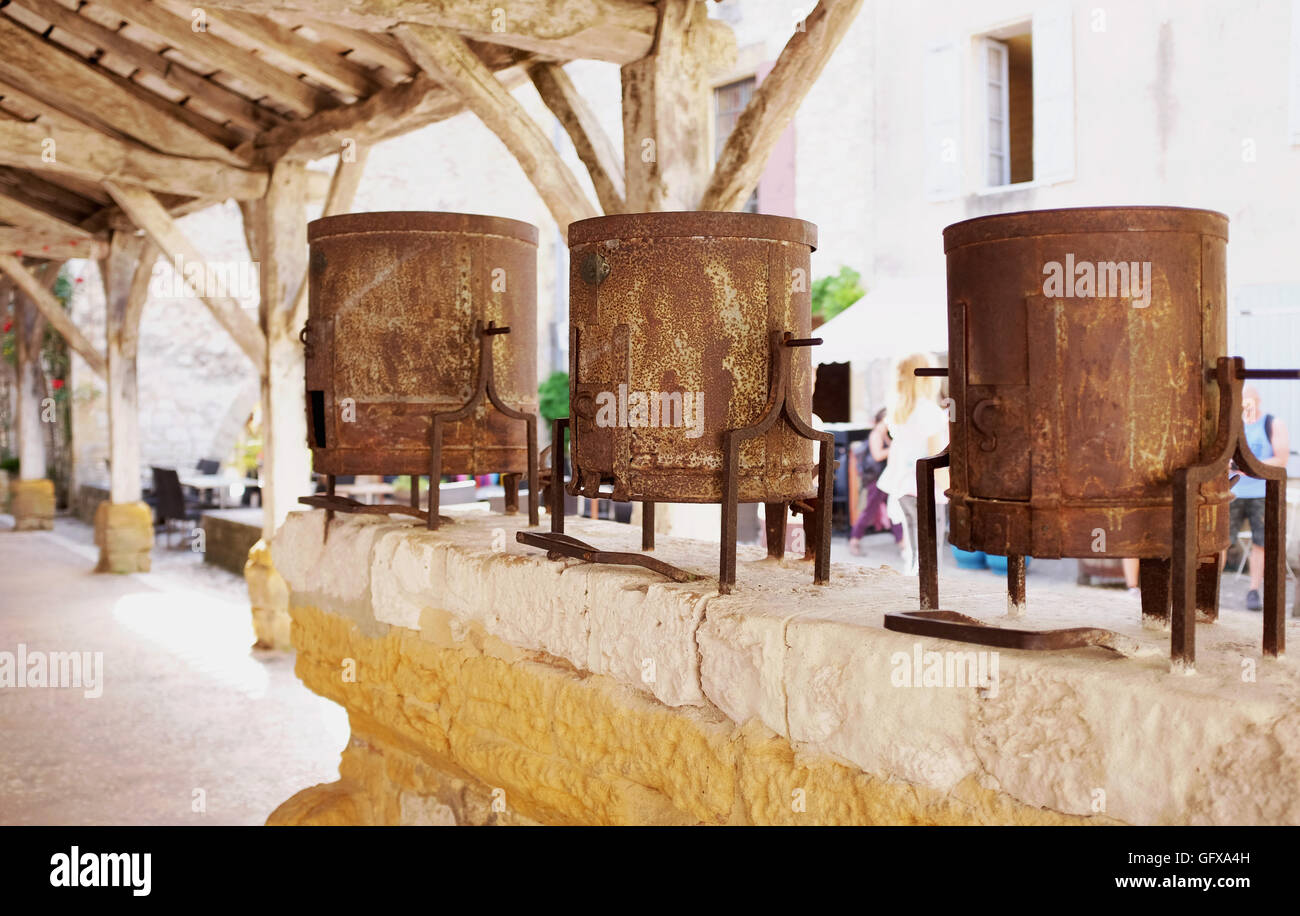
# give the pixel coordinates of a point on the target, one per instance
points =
(1270, 442)
(919, 428)
(874, 515)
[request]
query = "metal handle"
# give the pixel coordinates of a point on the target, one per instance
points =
(976, 420)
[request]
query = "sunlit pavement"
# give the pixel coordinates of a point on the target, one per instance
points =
(192, 727)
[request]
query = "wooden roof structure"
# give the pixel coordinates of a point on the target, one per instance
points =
(118, 116)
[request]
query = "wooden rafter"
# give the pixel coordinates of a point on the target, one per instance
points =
(87, 154)
(239, 110)
(35, 244)
(394, 111)
(774, 103)
(65, 81)
(220, 54)
(147, 213)
(307, 57)
(612, 30)
(447, 58)
(593, 145)
(378, 47)
(20, 214)
(53, 312)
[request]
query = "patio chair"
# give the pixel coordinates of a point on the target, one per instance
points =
(172, 506)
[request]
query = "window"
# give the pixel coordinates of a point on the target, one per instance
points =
(729, 101)
(1002, 113)
(1007, 82)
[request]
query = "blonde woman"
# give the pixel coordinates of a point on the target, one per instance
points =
(919, 428)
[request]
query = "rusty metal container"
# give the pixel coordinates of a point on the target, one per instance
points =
(1075, 405)
(394, 300)
(687, 304)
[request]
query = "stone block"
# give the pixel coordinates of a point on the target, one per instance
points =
(124, 535)
(269, 596)
(32, 505)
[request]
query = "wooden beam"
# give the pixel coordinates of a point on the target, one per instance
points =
(85, 153)
(343, 188)
(67, 82)
(593, 145)
(379, 47)
(21, 214)
(774, 104)
(388, 113)
(147, 213)
(31, 243)
(220, 54)
(445, 56)
(267, 35)
(53, 312)
(611, 30)
(239, 110)
(667, 109)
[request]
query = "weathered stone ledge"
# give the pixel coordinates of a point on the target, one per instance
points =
(582, 693)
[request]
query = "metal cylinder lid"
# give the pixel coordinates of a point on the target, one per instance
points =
(1076, 220)
(694, 224)
(420, 221)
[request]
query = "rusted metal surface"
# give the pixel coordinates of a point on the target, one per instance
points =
(684, 304)
(563, 545)
(484, 394)
(1074, 412)
(1095, 421)
(394, 302)
(959, 627)
(707, 314)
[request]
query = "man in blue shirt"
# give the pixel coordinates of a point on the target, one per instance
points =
(1268, 439)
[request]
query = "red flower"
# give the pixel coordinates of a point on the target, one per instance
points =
(57, 384)
(9, 323)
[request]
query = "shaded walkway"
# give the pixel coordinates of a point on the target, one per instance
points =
(186, 704)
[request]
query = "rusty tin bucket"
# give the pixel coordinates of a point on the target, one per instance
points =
(1083, 346)
(671, 322)
(398, 304)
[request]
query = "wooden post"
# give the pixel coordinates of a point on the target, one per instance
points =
(32, 501)
(666, 111)
(278, 231)
(124, 524)
(29, 327)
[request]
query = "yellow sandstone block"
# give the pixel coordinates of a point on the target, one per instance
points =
(269, 596)
(32, 504)
(124, 535)
(448, 734)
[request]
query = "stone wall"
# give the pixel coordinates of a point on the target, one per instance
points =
(486, 683)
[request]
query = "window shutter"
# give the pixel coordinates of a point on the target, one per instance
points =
(943, 151)
(1294, 131)
(1053, 37)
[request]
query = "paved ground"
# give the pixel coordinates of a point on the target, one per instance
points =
(186, 704)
